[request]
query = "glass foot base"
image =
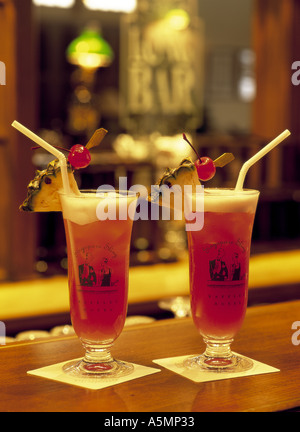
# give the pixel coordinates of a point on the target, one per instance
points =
(232, 364)
(112, 369)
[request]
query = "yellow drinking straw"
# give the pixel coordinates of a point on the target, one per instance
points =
(257, 156)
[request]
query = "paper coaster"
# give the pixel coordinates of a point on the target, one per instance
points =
(175, 364)
(55, 372)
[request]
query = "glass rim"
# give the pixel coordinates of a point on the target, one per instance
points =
(229, 192)
(98, 193)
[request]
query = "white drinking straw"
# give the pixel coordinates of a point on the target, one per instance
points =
(59, 155)
(257, 156)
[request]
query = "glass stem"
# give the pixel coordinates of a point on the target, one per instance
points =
(218, 349)
(97, 353)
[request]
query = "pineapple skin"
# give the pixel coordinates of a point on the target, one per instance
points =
(184, 174)
(43, 190)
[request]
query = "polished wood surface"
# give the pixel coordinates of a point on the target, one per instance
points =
(266, 336)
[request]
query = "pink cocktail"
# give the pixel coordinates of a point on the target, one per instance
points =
(98, 266)
(219, 270)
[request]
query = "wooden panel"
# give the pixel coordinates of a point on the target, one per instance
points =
(272, 32)
(17, 101)
(276, 43)
(7, 101)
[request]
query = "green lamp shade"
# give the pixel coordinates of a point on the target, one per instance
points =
(90, 51)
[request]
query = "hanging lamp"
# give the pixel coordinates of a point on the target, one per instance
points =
(89, 50)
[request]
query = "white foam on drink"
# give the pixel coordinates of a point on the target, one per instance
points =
(82, 209)
(230, 200)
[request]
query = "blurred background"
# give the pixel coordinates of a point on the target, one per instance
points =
(147, 71)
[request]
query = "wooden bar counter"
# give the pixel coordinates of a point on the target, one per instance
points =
(266, 336)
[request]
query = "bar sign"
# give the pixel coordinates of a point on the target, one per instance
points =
(2, 73)
(2, 333)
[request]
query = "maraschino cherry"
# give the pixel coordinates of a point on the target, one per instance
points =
(79, 156)
(205, 166)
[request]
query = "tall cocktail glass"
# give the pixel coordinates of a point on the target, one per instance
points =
(219, 270)
(98, 232)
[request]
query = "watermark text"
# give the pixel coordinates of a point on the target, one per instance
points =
(296, 334)
(2, 73)
(296, 75)
(161, 202)
(2, 333)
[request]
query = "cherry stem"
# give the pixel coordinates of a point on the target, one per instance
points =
(59, 148)
(185, 139)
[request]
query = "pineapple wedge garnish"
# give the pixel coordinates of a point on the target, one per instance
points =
(43, 190)
(184, 174)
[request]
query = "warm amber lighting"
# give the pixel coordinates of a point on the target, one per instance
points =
(178, 19)
(55, 3)
(89, 60)
(111, 5)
